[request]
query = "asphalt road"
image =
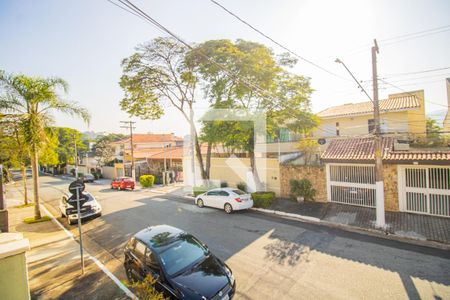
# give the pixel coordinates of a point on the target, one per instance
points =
(271, 258)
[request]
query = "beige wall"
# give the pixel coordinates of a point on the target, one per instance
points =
(404, 121)
(235, 172)
(315, 174)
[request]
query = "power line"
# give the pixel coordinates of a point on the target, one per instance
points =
(415, 72)
(405, 37)
(409, 93)
(275, 42)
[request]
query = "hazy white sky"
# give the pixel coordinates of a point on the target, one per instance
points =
(84, 41)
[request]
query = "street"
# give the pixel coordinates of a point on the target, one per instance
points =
(271, 258)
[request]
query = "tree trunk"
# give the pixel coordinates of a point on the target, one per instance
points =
(208, 161)
(35, 172)
(24, 180)
(198, 153)
(258, 183)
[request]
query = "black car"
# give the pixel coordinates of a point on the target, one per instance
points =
(184, 266)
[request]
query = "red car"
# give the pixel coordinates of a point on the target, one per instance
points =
(122, 183)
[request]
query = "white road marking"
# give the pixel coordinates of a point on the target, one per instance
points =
(95, 260)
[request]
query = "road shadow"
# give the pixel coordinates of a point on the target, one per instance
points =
(227, 235)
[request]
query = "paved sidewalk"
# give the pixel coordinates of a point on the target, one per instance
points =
(54, 263)
(414, 226)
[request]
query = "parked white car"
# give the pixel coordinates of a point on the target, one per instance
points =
(68, 208)
(228, 199)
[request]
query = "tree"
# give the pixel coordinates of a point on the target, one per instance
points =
(158, 73)
(32, 99)
(103, 148)
(15, 149)
(247, 75)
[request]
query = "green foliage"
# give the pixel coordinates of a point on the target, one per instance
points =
(223, 184)
(66, 144)
(242, 186)
(263, 199)
(147, 180)
(31, 220)
(302, 188)
(145, 290)
(72, 171)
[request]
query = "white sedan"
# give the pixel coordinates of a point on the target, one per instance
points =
(68, 208)
(228, 199)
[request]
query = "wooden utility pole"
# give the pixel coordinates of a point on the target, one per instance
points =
(129, 125)
(380, 222)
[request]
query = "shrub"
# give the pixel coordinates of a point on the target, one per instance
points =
(302, 188)
(72, 171)
(147, 180)
(242, 186)
(223, 184)
(80, 175)
(146, 289)
(263, 199)
(158, 179)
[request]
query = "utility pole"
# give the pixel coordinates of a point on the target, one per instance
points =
(379, 184)
(76, 155)
(129, 125)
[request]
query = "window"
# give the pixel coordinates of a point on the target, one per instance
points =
(371, 125)
(139, 250)
(150, 260)
(213, 193)
(182, 254)
(223, 193)
(284, 135)
(337, 129)
(239, 192)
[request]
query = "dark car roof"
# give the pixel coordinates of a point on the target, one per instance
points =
(157, 237)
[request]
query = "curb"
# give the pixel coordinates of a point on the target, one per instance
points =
(360, 230)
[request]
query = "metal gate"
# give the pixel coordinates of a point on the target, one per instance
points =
(352, 184)
(425, 190)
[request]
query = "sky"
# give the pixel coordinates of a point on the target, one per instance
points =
(84, 41)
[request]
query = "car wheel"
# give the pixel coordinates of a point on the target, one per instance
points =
(228, 208)
(200, 203)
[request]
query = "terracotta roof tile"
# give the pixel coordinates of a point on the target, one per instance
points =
(150, 138)
(362, 150)
(394, 103)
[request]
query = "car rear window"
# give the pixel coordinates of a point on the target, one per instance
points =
(239, 192)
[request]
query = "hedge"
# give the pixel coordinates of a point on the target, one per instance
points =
(263, 199)
(147, 180)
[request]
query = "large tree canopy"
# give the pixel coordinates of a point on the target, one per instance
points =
(247, 75)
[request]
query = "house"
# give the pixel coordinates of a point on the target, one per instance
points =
(145, 144)
(153, 153)
(402, 113)
(415, 180)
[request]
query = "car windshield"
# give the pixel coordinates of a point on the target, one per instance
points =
(183, 253)
(239, 192)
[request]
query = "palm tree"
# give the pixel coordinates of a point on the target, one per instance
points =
(32, 99)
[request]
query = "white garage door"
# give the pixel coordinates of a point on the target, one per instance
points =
(425, 189)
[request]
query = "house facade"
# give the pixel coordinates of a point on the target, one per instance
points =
(415, 181)
(400, 114)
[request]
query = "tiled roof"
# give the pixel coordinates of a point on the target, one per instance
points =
(362, 150)
(150, 138)
(394, 103)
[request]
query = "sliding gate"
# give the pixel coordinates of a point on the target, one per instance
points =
(352, 184)
(425, 189)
